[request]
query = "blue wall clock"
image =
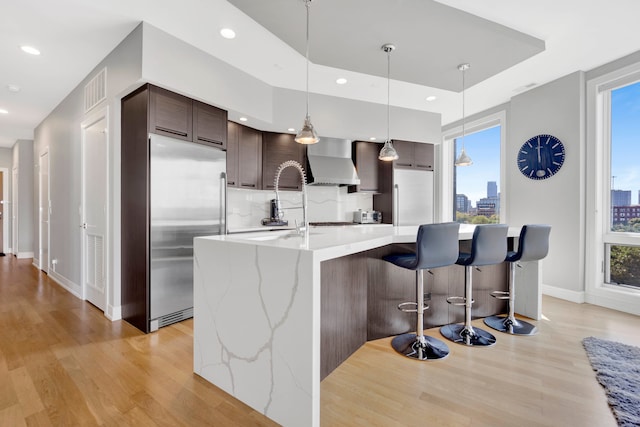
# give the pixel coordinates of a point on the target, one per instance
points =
(541, 157)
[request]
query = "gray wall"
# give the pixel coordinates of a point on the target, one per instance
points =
(556, 108)
(61, 133)
(6, 157)
(23, 160)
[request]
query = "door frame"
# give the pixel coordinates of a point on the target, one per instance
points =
(43, 267)
(90, 120)
(6, 247)
(15, 219)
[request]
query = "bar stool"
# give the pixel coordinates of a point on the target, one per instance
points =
(436, 246)
(533, 245)
(489, 246)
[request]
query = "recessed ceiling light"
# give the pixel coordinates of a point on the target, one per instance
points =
(373, 138)
(3, 111)
(228, 33)
(341, 81)
(13, 88)
(30, 50)
(243, 119)
(291, 130)
(431, 98)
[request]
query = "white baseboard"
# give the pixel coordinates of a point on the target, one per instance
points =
(36, 263)
(574, 296)
(113, 313)
(628, 303)
(74, 289)
(21, 255)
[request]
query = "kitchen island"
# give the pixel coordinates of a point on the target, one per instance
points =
(275, 312)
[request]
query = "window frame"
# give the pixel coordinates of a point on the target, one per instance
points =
(598, 179)
(446, 198)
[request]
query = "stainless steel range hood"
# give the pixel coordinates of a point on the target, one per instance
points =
(330, 163)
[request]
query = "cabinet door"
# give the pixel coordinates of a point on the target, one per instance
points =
(405, 150)
(170, 114)
(423, 156)
(250, 158)
(209, 125)
(365, 158)
(233, 132)
(276, 149)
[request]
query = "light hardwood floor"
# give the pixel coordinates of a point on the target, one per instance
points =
(62, 363)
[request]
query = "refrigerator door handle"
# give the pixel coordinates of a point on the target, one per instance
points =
(396, 207)
(223, 203)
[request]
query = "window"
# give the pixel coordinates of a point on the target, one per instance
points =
(476, 188)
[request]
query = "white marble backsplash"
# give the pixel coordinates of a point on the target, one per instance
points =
(246, 208)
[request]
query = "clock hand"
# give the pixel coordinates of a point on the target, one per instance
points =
(538, 148)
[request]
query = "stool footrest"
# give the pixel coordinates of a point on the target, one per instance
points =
(500, 294)
(402, 306)
(458, 301)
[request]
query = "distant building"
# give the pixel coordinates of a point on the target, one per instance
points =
(486, 207)
(621, 197)
(463, 204)
(492, 190)
(622, 214)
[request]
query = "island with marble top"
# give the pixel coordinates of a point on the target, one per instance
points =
(275, 312)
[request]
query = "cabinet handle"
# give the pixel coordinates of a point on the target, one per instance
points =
(231, 183)
(210, 141)
(244, 184)
(174, 132)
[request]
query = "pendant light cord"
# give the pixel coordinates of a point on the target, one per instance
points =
(307, 4)
(388, 91)
(463, 117)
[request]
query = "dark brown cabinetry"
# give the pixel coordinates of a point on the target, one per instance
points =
(278, 148)
(413, 155)
(209, 125)
(170, 114)
(244, 157)
(149, 109)
(365, 158)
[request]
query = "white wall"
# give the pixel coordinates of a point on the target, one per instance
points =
(556, 108)
(6, 160)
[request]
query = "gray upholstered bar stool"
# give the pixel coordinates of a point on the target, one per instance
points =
(533, 245)
(489, 246)
(436, 246)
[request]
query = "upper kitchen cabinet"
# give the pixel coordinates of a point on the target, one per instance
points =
(413, 155)
(365, 159)
(276, 149)
(170, 114)
(244, 157)
(209, 125)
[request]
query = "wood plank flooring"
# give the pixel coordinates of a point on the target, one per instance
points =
(62, 363)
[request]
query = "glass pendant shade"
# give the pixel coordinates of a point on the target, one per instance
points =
(463, 159)
(307, 134)
(388, 153)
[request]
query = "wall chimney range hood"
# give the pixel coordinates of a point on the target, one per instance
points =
(330, 163)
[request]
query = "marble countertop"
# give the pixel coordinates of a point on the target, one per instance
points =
(333, 242)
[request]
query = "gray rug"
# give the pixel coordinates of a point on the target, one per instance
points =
(617, 369)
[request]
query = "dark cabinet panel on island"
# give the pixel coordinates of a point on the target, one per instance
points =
(365, 159)
(244, 157)
(276, 149)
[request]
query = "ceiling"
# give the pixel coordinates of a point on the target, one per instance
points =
(512, 46)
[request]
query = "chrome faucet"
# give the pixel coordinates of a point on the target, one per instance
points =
(301, 229)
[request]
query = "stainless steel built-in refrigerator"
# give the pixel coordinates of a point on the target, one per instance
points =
(412, 197)
(187, 187)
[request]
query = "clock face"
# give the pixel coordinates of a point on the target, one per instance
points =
(541, 157)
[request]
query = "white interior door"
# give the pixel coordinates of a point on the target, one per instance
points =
(94, 208)
(14, 212)
(44, 211)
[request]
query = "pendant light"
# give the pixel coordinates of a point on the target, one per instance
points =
(388, 153)
(307, 134)
(463, 159)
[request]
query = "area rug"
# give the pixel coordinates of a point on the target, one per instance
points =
(617, 369)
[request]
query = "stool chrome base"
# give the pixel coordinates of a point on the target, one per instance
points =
(513, 327)
(410, 346)
(468, 335)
